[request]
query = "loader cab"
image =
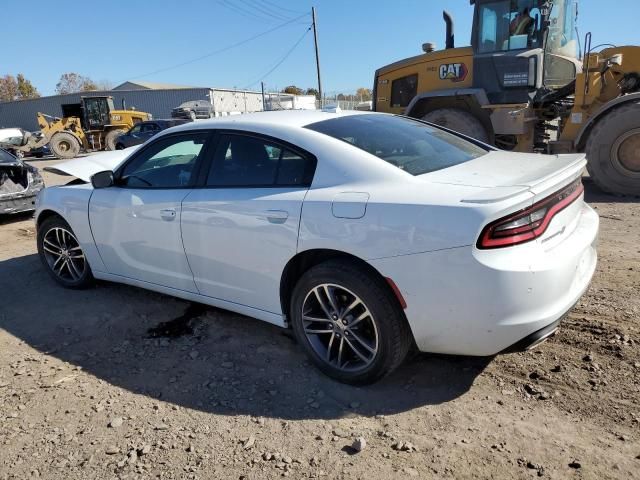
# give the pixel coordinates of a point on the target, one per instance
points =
(97, 112)
(93, 112)
(522, 46)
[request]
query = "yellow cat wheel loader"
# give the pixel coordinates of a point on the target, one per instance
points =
(523, 85)
(93, 124)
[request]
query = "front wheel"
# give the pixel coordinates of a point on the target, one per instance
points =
(349, 323)
(61, 254)
(64, 145)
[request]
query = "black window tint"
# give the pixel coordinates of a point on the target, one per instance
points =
(167, 163)
(408, 144)
(246, 161)
(403, 90)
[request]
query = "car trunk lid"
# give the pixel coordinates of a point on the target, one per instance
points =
(499, 175)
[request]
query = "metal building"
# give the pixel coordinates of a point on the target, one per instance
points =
(154, 98)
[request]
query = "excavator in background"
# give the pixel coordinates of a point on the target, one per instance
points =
(523, 85)
(93, 124)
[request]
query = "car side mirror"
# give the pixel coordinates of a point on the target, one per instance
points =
(102, 179)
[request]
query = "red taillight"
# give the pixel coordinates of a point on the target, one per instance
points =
(530, 223)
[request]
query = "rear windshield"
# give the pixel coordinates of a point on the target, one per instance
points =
(410, 145)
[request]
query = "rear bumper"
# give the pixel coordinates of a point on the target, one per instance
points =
(471, 302)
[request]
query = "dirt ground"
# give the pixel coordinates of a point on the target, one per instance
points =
(88, 392)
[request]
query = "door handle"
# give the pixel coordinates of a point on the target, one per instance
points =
(168, 214)
(277, 216)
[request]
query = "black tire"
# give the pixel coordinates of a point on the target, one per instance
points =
(393, 336)
(119, 146)
(80, 275)
(613, 151)
(192, 115)
(64, 145)
(459, 121)
(111, 138)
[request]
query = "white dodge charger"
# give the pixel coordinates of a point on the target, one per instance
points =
(366, 233)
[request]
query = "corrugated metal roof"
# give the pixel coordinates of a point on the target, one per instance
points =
(141, 85)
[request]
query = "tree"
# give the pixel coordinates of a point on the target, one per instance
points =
(8, 88)
(104, 85)
(73, 82)
(292, 89)
(26, 88)
(312, 91)
(364, 94)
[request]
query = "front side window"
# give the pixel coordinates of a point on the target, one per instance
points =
(135, 129)
(509, 25)
(403, 90)
(168, 163)
(408, 144)
(247, 161)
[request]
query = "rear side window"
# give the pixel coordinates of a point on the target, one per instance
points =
(247, 161)
(408, 144)
(403, 90)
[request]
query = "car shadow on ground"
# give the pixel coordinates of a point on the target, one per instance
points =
(206, 359)
(593, 194)
(15, 217)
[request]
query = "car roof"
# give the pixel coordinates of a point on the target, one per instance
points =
(287, 118)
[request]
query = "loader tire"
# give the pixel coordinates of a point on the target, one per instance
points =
(110, 139)
(64, 145)
(613, 151)
(460, 121)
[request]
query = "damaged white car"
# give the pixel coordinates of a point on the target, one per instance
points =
(368, 234)
(20, 183)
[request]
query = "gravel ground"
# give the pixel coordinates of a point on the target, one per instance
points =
(93, 384)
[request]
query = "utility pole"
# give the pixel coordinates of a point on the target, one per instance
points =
(264, 104)
(315, 40)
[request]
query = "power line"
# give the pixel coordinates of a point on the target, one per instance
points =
(257, 6)
(267, 2)
(244, 12)
(281, 61)
(221, 50)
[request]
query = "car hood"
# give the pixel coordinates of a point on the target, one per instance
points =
(84, 167)
(499, 174)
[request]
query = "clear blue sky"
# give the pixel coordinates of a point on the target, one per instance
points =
(120, 40)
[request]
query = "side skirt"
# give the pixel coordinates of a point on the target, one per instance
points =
(263, 315)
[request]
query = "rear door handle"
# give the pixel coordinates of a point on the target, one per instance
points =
(277, 216)
(168, 214)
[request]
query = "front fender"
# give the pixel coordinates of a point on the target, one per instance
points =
(478, 94)
(71, 202)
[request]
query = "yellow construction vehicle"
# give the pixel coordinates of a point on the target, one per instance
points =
(524, 85)
(93, 124)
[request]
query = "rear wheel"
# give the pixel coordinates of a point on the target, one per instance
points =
(192, 115)
(459, 121)
(61, 254)
(64, 145)
(111, 138)
(613, 151)
(349, 323)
